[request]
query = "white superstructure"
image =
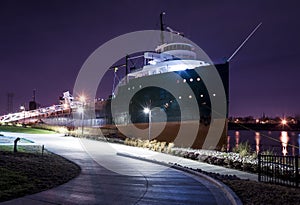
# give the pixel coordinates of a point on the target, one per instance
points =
(168, 58)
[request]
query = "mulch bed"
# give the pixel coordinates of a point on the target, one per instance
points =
(251, 192)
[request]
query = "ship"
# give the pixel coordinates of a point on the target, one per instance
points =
(170, 98)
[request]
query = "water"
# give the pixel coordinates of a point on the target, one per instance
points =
(280, 142)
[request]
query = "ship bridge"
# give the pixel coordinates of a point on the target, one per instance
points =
(168, 58)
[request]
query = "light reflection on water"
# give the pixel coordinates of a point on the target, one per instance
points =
(284, 138)
(280, 142)
(257, 142)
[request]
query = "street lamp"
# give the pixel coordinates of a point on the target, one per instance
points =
(82, 99)
(22, 108)
(148, 111)
(81, 111)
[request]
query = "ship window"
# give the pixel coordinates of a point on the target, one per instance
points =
(184, 80)
(201, 95)
(128, 88)
(198, 79)
(191, 79)
(179, 97)
(140, 86)
(190, 96)
(132, 87)
(214, 94)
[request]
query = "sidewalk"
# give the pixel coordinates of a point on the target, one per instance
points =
(141, 153)
(100, 182)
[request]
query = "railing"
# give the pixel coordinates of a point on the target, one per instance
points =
(283, 170)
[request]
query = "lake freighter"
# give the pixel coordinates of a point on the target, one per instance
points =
(173, 66)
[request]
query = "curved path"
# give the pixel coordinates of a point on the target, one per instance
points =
(98, 185)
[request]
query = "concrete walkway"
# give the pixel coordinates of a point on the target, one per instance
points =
(108, 178)
(166, 158)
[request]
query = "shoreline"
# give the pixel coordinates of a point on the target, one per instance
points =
(263, 127)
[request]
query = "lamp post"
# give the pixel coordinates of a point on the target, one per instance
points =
(81, 110)
(22, 108)
(148, 111)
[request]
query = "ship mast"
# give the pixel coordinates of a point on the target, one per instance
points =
(162, 28)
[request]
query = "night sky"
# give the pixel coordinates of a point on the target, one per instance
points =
(43, 45)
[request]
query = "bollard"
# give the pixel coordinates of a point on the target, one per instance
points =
(15, 144)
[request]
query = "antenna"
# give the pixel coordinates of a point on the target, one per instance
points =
(239, 48)
(162, 27)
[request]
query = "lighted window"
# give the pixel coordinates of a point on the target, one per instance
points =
(132, 87)
(140, 86)
(198, 79)
(128, 88)
(214, 94)
(190, 96)
(201, 95)
(191, 79)
(184, 80)
(179, 97)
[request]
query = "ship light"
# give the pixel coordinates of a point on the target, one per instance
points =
(191, 80)
(178, 67)
(152, 62)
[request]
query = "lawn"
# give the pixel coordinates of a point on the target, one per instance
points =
(28, 171)
(27, 130)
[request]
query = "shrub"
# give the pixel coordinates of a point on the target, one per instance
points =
(243, 149)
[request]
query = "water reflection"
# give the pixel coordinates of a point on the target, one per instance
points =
(279, 142)
(228, 143)
(257, 141)
(284, 138)
(237, 139)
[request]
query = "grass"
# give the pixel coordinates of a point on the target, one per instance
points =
(22, 148)
(28, 171)
(27, 130)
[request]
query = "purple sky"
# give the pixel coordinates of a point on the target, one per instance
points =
(43, 45)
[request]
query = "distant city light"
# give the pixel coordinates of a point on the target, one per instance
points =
(283, 122)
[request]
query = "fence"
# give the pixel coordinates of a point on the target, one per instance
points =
(282, 170)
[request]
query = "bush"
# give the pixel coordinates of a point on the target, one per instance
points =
(243, 149)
